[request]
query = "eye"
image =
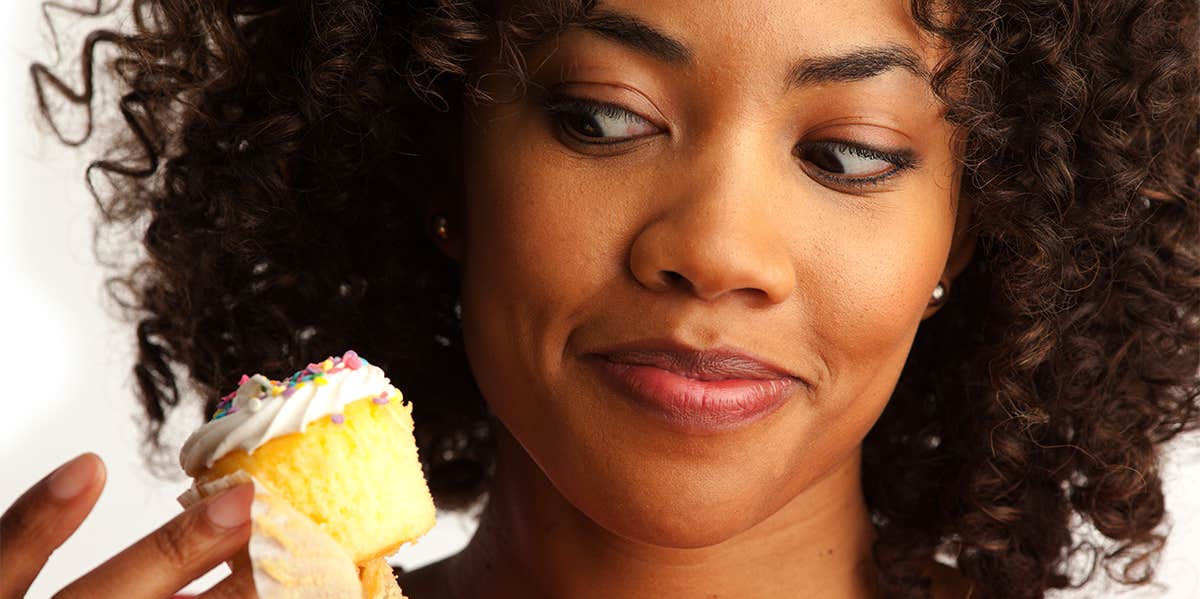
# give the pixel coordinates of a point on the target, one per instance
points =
(853, 165)
(597, 123)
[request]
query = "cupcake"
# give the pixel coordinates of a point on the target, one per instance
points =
(335, 442)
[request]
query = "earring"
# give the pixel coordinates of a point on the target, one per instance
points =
(439, 227)
(939, 294)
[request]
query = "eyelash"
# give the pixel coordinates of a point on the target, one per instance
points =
(559, 105)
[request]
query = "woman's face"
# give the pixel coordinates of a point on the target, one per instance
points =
(722, 169)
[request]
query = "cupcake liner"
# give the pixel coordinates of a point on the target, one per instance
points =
(291, 557)
(378, 581)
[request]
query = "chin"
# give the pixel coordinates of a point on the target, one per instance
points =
(670, 506)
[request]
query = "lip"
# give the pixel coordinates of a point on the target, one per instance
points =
(696, 392)
(706, 365)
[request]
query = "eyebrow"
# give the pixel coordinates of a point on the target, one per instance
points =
(855, 65)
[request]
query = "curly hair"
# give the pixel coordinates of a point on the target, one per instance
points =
(284, 152)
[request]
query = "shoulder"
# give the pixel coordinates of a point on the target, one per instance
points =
(949, 583)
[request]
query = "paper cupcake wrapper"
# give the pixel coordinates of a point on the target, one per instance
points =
(291, 557)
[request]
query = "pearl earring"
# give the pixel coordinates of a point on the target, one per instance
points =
(939, 293)
(439, 227)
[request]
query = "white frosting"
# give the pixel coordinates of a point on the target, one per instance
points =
(258, 416)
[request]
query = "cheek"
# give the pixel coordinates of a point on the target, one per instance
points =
(532, 226)
(539, 245)
(874, 284)
(874, 289)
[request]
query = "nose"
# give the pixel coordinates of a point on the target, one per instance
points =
(718, 235)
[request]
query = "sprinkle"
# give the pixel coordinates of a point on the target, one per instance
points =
(264, 383)
(316, 372)
(337, 418)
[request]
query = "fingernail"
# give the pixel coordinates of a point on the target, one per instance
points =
(70, 479)
(231, 508)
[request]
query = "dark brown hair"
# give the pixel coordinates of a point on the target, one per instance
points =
(283, 152)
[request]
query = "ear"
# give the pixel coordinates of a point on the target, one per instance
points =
(445, 198)
(452, 246)
(962, 249)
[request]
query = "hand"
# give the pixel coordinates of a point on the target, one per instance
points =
(156, 566)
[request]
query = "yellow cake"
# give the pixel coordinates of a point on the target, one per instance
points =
(334, 440)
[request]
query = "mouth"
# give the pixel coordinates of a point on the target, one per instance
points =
(696, 392)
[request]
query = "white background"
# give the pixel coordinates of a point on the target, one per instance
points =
(66, 358)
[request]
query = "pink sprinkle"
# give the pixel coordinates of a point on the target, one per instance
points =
(231, 395)
(243, 380)
(288, 392)
(231, 410)
(314, 368)
(337, 418)
(382, 399)
(351, 359)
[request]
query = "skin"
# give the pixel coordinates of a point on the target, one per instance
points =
(211, 531)
(565, 248)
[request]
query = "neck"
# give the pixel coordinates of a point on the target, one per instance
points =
(533, 543)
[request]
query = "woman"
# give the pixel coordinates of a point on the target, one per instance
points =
(943, 255)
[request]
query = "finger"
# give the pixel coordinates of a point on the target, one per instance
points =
(43, 517)
(239, 585)
(240, 560)
(181, 550)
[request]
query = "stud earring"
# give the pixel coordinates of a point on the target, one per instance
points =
(939, 294)
(439, 227)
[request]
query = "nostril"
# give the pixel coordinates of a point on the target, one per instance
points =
(672, 279)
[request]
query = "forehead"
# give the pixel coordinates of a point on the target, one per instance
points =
(758, 46)
(759, 32)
